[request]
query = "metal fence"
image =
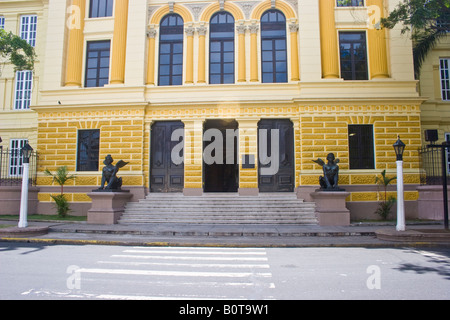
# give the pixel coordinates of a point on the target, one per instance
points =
(431, 166)
(11, 167)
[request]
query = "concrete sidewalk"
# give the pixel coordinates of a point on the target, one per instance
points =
(356, 235)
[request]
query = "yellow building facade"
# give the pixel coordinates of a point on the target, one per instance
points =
(120, 77)
(20, 90)
(434, 87)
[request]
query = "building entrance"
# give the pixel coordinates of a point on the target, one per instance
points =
(165, 175)
(282, 178)
(220, 150)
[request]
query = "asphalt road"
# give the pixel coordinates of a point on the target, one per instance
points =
(49, 272)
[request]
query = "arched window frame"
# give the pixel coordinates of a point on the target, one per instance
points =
(274, 54)
(222, 48)
(171, 36)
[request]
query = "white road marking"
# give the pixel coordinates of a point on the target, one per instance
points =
(59, 295)
(191, 265)
(198, 252)
(190, 258)
(174, 273)
(186, 249)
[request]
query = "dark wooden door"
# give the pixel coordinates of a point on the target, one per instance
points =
(283, 179)
(165, 175)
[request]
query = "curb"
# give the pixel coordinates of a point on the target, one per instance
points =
(16, 232)
(432, 235)
(398, 244)
(270, 237)
(214, 233)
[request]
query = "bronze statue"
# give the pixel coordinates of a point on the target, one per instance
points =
(109, 173)
(329, 180)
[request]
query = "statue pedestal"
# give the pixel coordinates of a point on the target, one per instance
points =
(107, 207)
(330, 208)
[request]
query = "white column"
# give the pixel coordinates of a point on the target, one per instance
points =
(400, 199)
(24, 198)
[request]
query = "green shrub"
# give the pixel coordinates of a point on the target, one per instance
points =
(385, 206)
(61, 176)
(62, 205)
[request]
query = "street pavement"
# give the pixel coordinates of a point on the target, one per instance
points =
(355, 235)
(199, 275)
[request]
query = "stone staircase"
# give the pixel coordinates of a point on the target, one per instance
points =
(220, 208)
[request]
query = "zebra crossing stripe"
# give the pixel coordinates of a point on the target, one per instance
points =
(190, 258)
(197, 252)
(174, 273)
(191, 265)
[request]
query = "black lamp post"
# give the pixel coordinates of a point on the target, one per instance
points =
(399, 148)
(26, 154)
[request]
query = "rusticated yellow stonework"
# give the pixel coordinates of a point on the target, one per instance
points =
(193, 163)
(119, 136)
(322, 133)
(324, 129)
(318, 130)
(87, 180)
(375, 196)
(248, 140)
(364, 196)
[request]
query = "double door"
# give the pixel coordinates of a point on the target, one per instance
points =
(278, 175)
(166, 169)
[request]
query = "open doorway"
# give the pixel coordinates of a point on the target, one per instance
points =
(220, 166)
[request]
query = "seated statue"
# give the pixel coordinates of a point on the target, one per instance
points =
(109, 173)
(329, 180)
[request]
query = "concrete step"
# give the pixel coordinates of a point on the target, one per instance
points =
(219, 213)
(217, 217)
(236, 210)
(222, 222)
(220, 218)
(220, 205)
(225, 208)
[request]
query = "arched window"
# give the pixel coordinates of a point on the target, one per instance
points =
(273, 47)
(221, 48)
(171, 50)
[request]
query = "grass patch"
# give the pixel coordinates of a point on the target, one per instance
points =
(44, 217)
(2, 226)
